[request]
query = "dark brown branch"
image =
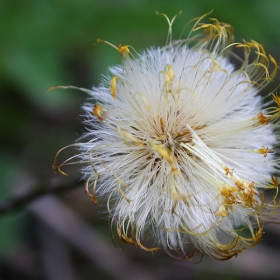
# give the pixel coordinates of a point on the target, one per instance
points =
(38, 190)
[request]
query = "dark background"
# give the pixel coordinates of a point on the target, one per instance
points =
(63, 235)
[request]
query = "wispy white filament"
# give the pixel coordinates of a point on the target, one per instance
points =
(180, 146)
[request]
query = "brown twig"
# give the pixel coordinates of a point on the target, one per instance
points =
(41, 189)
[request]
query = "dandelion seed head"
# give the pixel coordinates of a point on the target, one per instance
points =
(180, 144)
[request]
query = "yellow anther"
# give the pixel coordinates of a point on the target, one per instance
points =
(228, 192)
(113, 86)
(240, 185)
(170, 71)
(98, 112)
(250, 189)
(123, 50)
(263, 119)
(264, 150)
(168, 75)
(164, 152)
(228, 171)
(222, 212)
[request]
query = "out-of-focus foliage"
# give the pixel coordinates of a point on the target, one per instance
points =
(48, 43)
(43, 42)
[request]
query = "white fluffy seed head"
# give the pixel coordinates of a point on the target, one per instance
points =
(180, 145)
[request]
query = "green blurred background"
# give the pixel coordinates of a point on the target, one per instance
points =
(48, 43)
